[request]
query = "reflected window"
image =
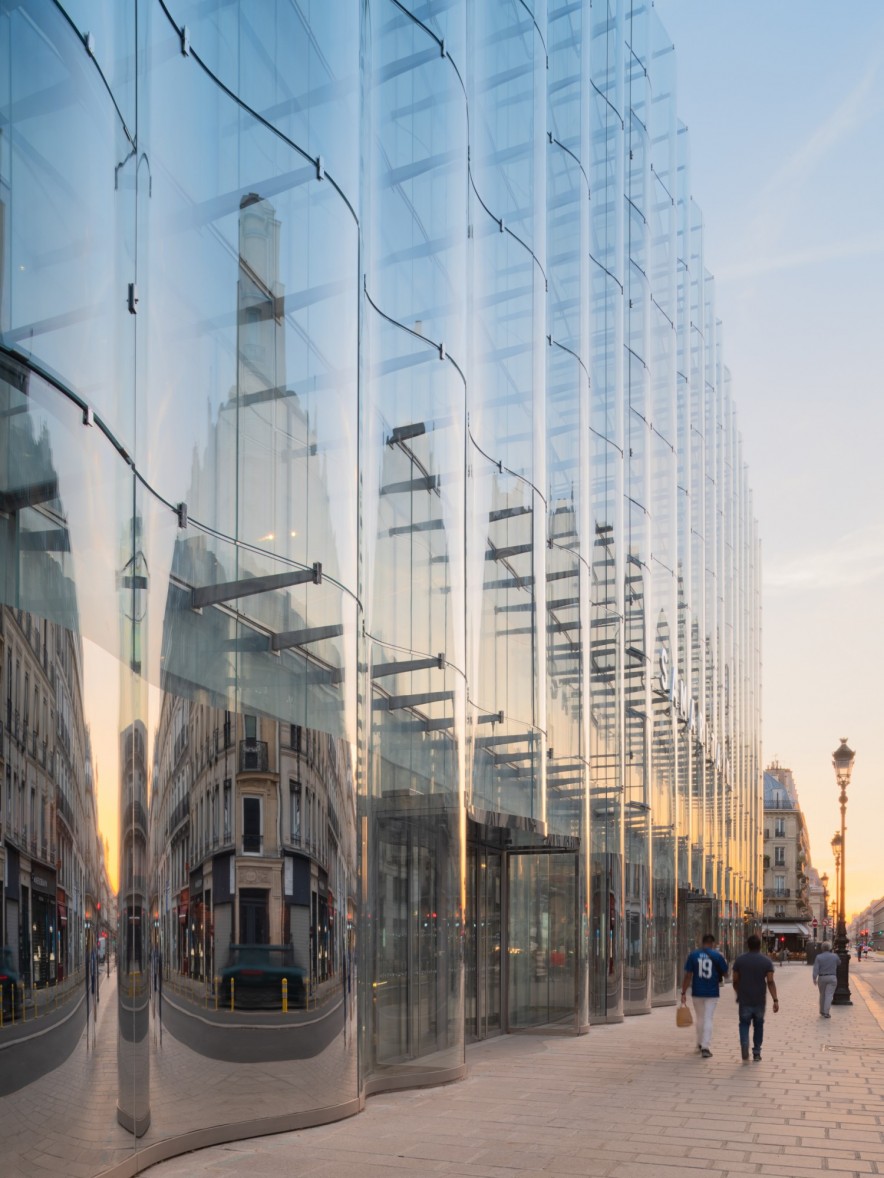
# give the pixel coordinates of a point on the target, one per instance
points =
(227, 795)
(251, 826)
(295, 810)
(780, 856)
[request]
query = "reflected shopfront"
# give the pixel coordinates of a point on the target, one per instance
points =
(379, 636)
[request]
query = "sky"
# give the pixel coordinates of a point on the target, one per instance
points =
(784, 102)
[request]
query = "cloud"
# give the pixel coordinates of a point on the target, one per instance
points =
(788, 187)
(854, 559)
(854, 109)
(836, 251)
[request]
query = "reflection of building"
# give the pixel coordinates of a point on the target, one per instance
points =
(254, 840)
(252, 834)
(787, 913)
(51, 856)
(133, 845)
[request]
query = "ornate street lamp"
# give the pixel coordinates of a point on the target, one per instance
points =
(824, 880)
(842, 760)
(836, 855)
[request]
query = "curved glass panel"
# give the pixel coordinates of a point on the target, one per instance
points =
(413, 1014)
(252, 906)
(66, 253)
(508, 119)
(294, 65)
(109, 31)
(413, 486)
(251, 341)
(506, 396)
(417, 213)
(447, 20)
(508, 763)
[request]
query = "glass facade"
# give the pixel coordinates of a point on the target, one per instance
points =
(379, 580)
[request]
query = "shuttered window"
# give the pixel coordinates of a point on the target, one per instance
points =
(251, 826)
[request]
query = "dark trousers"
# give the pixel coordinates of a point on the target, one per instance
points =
(752, 1016)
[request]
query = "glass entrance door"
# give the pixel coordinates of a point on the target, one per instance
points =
(254, 918)
(541, 939)
(484, 951)
(489, 944)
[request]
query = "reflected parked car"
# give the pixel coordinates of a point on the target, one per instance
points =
(257, 973)
(9, 983)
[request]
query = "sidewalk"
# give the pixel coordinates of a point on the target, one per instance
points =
(627, 1101)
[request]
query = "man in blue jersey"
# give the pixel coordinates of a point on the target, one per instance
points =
(703, 970)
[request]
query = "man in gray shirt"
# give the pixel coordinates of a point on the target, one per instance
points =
(825, 974)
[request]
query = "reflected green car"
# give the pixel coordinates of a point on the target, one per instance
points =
(257, 972)
(9, 983)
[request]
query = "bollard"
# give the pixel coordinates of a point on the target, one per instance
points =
(1, 1005)
(232, 988)
(285, 995)
(217, 988)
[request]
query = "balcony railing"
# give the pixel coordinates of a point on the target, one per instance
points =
(135, 884)
(135, 816)
(179, 814)
(777, 894)
(253, 756)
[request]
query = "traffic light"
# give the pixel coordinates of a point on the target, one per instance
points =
(782, 940)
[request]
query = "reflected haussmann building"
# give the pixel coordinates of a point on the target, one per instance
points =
(379, 636)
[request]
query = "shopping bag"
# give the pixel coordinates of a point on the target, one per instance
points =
(683, 1016)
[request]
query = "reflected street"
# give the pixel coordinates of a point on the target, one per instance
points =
(253, 1038)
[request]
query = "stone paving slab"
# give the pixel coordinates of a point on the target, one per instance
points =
(627, 1101)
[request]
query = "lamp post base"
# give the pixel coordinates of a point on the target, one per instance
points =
(841, 997)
